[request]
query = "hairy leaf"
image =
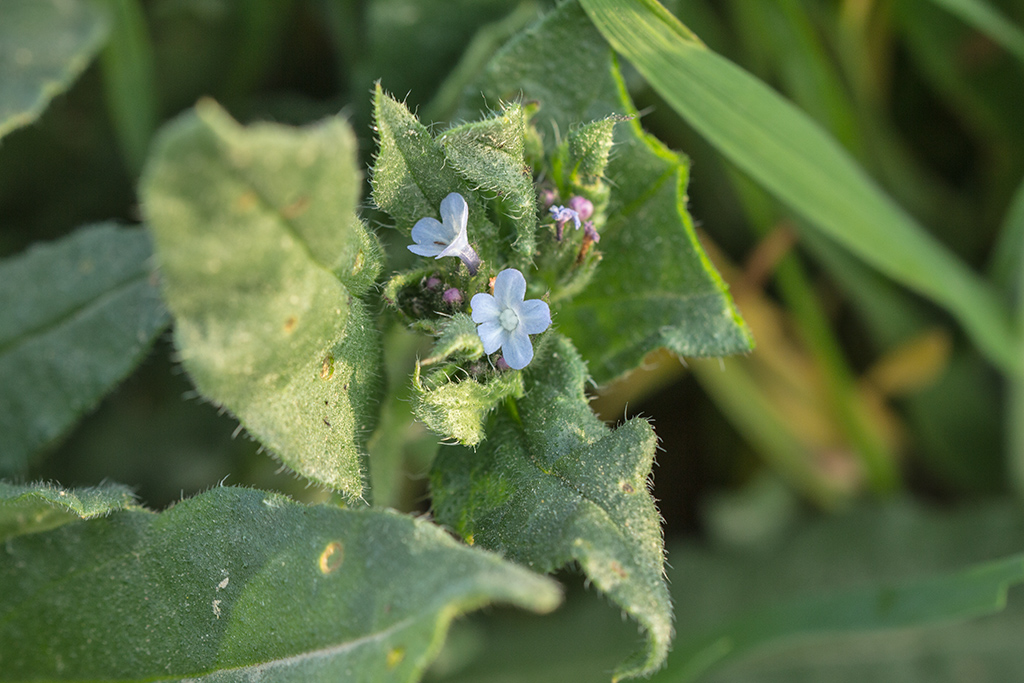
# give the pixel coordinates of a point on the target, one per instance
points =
(78, 315)
(489, 154)
(655, 286)
(457, 391)
(412, 175)
(44, 46)
(552, 484)
(31, 508)
(237, 584)
(263, 261)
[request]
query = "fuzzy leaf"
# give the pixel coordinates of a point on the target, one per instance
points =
(655, 286)
(77, 316)
(489, 154)
(453, 401)
(412, 175)
(263, 260)
(552, 484)
(237, 584)
(44, 46)
(31, 508)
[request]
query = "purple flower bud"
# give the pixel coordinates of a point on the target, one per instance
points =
(501, 364)
(562, 215)
(452, 296)
(590, 232)
(432, 283)
(582, 206)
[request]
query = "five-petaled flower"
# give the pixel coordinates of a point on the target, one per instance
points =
(449, 238)
(506, 321)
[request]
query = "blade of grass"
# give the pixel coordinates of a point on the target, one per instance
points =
(788, 154)
(129, 81)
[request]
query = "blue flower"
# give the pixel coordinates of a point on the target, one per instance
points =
(562, 215)
(506, 321)
(449, 238)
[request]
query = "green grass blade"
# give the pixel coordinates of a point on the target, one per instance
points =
(130, 82)
(783, 150)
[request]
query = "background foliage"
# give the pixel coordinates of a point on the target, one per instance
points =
(840, 502)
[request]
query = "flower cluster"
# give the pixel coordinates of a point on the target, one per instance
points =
(504, 319)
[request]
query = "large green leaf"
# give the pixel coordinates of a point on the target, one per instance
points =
(655, 286)
(264, 262)
(237, 584)
(786, 152)
(551, 484)
(77, 316)
(44, 46)
(31, 508)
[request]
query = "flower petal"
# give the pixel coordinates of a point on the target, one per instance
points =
(517, 349)
(493, 335)
(534, 316)
(431, 237)
(455, 213)
(485, 308)
(509, 288)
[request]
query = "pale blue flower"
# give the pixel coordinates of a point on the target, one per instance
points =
(447, 238)
(506, 321)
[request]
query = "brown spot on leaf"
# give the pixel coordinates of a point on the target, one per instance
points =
(290, 323)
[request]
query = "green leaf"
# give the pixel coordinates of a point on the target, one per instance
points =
(31, 508)
(489, 154)
(264, 262)
(44, 46)
(78, 315)
(454, 399)
(412, 174)
(552, 484)
(787, 153)
(239, 584)
(655, 286)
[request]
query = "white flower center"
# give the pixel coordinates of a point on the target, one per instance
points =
(508, 319)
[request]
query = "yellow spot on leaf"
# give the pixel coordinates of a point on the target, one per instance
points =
(332, 557)
(395, 656)
(290, 323)
(327, 368)
(246, 202)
